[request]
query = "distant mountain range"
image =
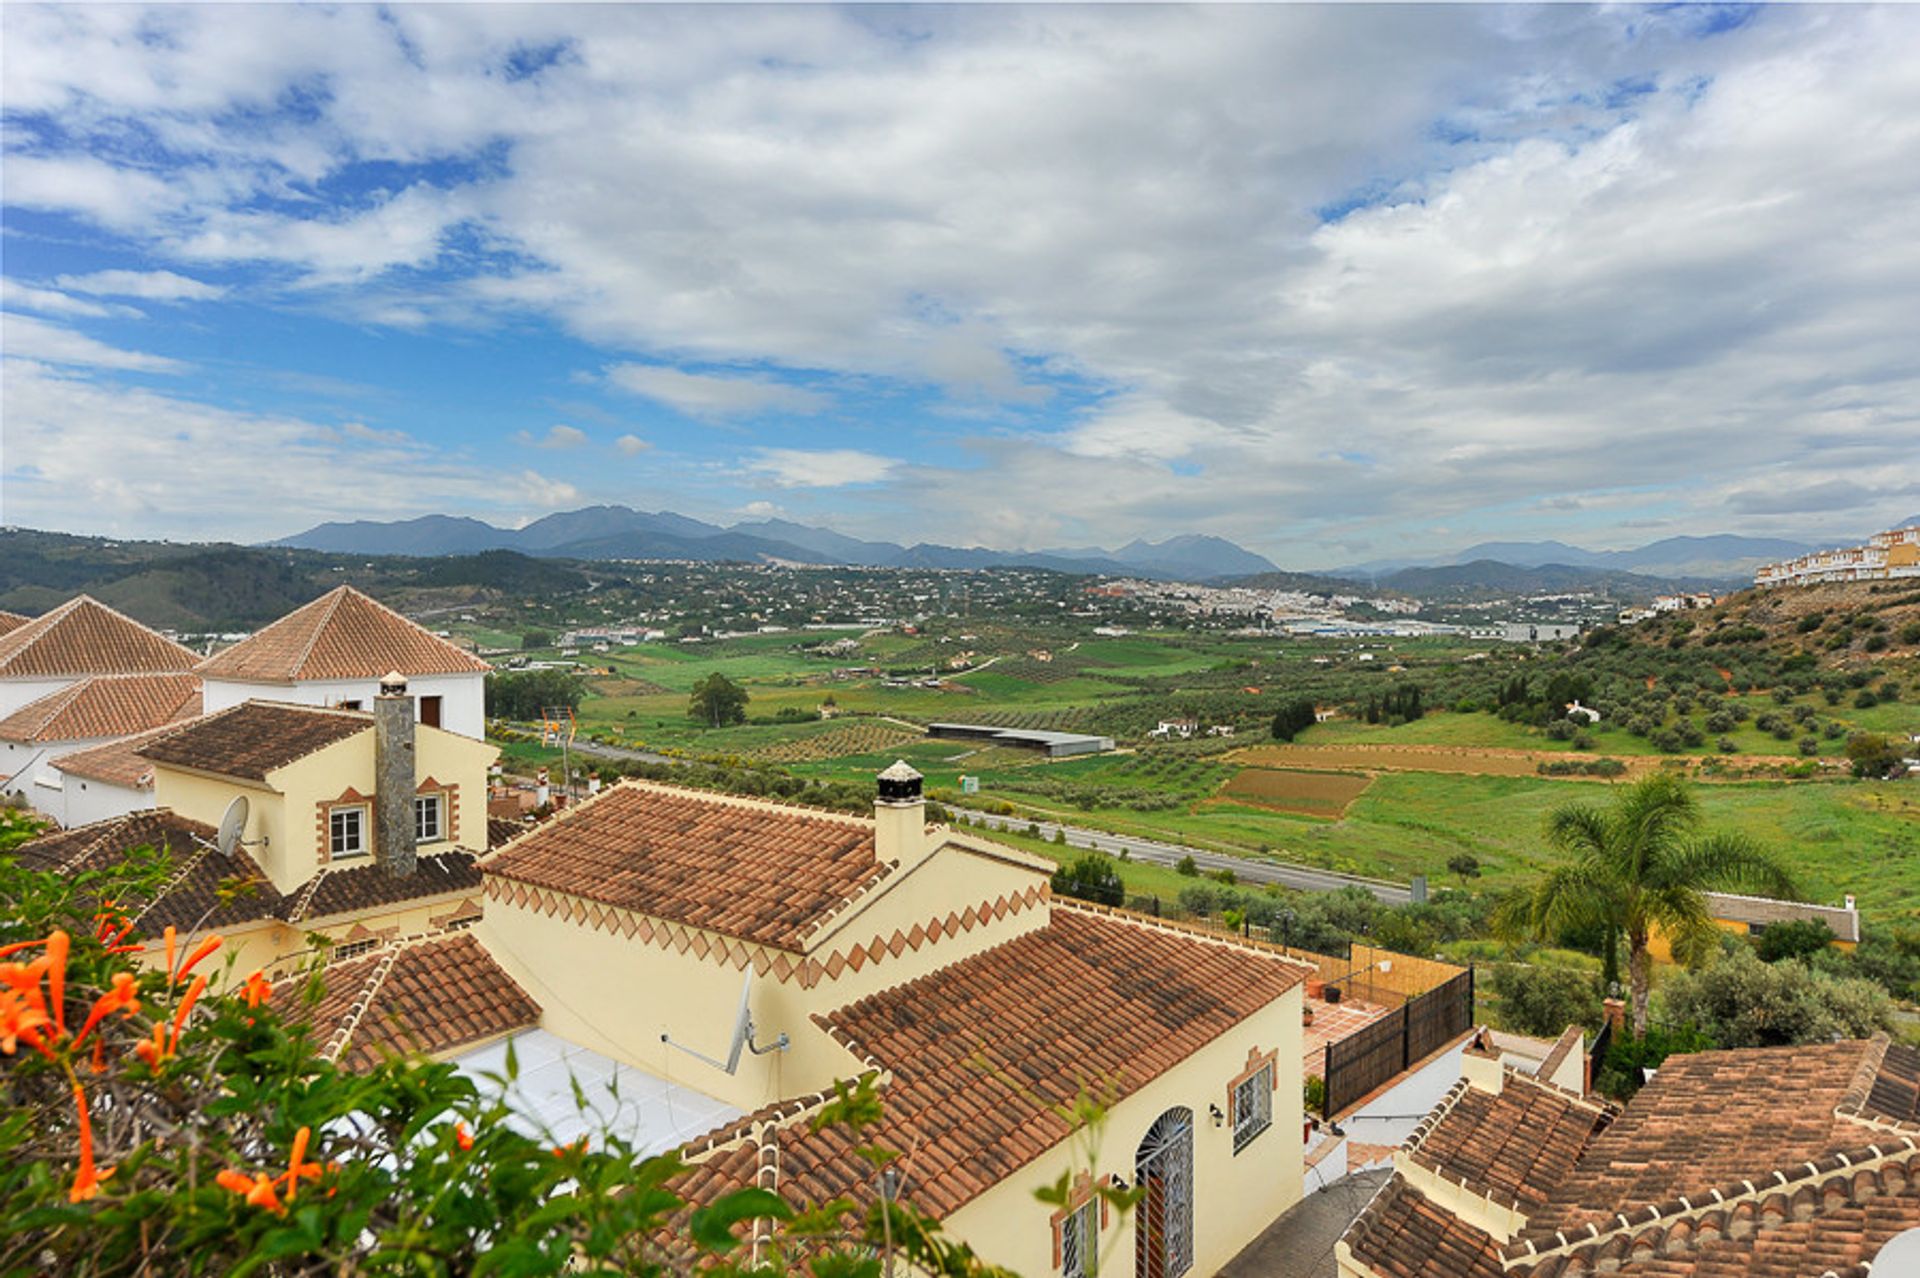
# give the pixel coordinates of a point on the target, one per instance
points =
(617, 532)
(1723, 557)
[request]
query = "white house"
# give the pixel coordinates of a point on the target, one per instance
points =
(89, 712)
(81, 637)
(1577, 711)
(334, 651)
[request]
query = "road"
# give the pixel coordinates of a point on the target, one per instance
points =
(1247, 869)
(1305, 878)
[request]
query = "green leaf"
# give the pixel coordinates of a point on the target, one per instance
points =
(712, 1226)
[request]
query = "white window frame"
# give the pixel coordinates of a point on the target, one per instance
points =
(362, 820)
(439, 809)
(1080, 1240)
(1252, 1106)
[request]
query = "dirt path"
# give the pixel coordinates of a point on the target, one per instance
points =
(1486, 761)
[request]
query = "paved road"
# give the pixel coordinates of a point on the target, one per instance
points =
(1247, 869)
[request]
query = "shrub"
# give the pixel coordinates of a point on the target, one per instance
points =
(1809, 746)
(1622, 1073)
(1188, 866)
(1798, 938)
(1865, 700)
(1726, 745)
(1091, 877)
(1544, 999)
(1740, 1001)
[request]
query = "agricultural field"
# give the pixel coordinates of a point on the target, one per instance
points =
(1379, 756)
(1318, 794)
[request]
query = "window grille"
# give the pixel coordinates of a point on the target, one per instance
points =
(354, 949)
(1163, 1172)
(426, 819)
(1252, 1107)
(347, 832)
(1080, 1240)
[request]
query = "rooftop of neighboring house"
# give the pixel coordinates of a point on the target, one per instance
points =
(85, 637)
(11, 621)
(254, 738)
(433, 995)
(343, 634)
(749, 869)
(1780, 1161)
(105, 706)
(978, 1059)
(206, 890)
(1761, 910)
(117, 762)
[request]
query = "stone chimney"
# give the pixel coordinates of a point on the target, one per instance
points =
(899, 815)
(394, 777)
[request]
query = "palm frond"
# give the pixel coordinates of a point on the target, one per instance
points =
(1731, 863)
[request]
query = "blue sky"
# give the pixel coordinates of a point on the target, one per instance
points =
(1338, 282)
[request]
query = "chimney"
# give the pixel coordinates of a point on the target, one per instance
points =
(394, 777)
(542, 792)
(899, 814)
(1616, 1010)
(1851, 907)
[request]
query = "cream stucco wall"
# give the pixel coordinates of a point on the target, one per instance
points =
(1235, 1196)
(618, 995)
(284, 810)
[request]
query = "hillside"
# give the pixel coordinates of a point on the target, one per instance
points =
(1486, 577)
(1841, 624)
(218, 587)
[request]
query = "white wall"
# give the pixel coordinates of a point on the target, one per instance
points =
(1389, 1118)
(463, 707)
(15, 693)
(72, 800)
(25, 763)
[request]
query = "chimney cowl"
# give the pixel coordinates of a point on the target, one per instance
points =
(393, 684)
(900, 784)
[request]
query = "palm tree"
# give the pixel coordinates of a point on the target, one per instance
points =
(1637, 864)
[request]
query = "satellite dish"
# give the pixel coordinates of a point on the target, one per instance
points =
(742, 1037)
(232, 825)
(1901, 1255)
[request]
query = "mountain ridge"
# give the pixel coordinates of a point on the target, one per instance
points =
(620, 532)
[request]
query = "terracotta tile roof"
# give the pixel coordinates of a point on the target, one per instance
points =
(752, 870)
(252, 739)
(341, 635)
(117, 762)
(1513, 1146)
(205, 890)
(1668, 1142)
(367, 886)
(978, 1057)
(504, 830)
(12, 621)
(105, 706)
(1404, 1234)
(82, 637)
(428, 996)
(1750, 910)
(1768, 1163)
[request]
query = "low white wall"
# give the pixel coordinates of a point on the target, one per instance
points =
(82, 800)
(1389, 1118)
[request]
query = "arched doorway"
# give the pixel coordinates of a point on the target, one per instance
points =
(1163, 1224)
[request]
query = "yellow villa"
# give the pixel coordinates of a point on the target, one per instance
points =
(1752, 915)
(308, 789)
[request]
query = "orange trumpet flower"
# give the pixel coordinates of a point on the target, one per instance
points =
(194, 991)
(170, 941)
(17, 946)
(20, 1019)
(205, 948)
(86, 1183)
(296, 1168)
(258, 989)
(257, 1190)
(462, 1137)
(155, 1051)
(56, 961)
(121, 998)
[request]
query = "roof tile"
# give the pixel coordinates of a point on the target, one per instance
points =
(343, 634)
(252, 739)
(83, 637)
(105, 706)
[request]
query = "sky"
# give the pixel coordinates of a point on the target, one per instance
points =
(1336, 282)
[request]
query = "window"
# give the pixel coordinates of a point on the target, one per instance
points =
(346, 705)
(354, 949)
(1079, 1240)
(347, 832)
(430, 711)
(427, 825)
(1252, 1106)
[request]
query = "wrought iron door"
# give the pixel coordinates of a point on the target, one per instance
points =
(1163, 1170)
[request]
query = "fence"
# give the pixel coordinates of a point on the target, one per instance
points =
(1413, 1031)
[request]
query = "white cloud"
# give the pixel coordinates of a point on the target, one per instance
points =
(822, 468)
(1583, 252)
(94, 457)
(703, 395)
(557, 438)
(156, 286)
(631, 445)
(33, 339)
(16, 296)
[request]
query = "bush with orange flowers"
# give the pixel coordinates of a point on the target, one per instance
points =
(167, 1120)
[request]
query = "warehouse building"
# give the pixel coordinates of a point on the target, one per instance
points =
(1056, 745)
